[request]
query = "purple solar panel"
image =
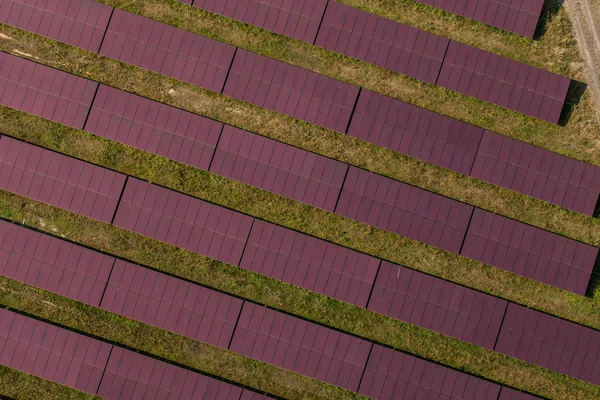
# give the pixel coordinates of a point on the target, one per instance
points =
(528, 251)
(505, 82)
(167, 50)
(520, 17)
(279, 168)
(291, 90)
(81, 23)
(45, 92)
(59, 180)
(154, 127)
(301, 346)
(383, 42)
(183, 221)
(437, 305)
(130, 375)
(538, 173)
(404, 209)
(53, 264)
(551, 343)
(414, 131)
(298, 19)
(393, 375)
(512, 394)
(310, 263)
(172, 304)
(52, 353)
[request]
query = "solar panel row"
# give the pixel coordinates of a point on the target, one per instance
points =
(293, 173)
(96, 367)
(520, 17)
(300, 19)
(205, 62)
(289, 342)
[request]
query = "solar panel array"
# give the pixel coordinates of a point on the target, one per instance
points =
(383, 42)
(291, 90)
(550, 342)
(528, 251)
(279, 168)
(391, 375)
(505, 82)
(538, 173)
(154, 127)
(80, 23)
(167, 50)
(520, 17)
(415, 131)
(52, 264)
(310, 263)
(58, 180)
(44, 91)
(404, 209)
(170, 303)
(438, 305)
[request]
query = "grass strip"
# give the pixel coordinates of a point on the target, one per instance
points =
(578, 139)
(21, 386)
(163, 344)
(298, 216)
(298, 133)
(254, 287)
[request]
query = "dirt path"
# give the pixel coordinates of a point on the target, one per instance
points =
(585, 15)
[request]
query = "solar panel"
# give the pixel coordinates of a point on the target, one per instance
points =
(512, 394)
(393, 375)
(279, 168)
(301, 346)
(310, 263)
(505, 82)
(538, 173)
(551, 343)
(44, 91)
(53, 264)
(154, 127)
(183, 221)
(59, 180)
(52, 353)
(130, 375)
(79, 23)
(520, 17)
(383, 42)
(291, 90)
(298, 19)
(528, 251)
(404, 209)
(415, 131)
(437, 305)
(172, 304)
(167, 50)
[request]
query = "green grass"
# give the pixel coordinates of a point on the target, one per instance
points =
(18, 385)
(301, 134)
(298, 216)
(260, 289)
(163, 344)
